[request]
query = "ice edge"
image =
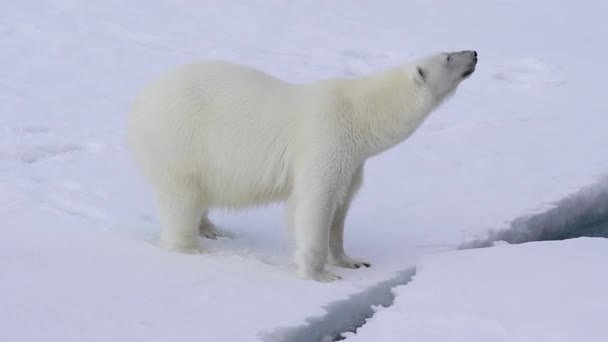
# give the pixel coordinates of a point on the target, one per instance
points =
(584, 213)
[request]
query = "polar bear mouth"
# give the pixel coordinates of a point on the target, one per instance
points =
(468, 72)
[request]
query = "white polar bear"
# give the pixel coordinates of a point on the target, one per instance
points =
(215, 134)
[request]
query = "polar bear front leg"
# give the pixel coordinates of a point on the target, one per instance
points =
(180, 212)
(337, 256)
(313, 209)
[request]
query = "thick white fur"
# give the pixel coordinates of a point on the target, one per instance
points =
(216, 134)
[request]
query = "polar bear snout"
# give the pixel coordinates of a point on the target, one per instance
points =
(464, 60)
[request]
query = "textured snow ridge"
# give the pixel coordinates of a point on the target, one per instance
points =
(584, 213)
(344, 315)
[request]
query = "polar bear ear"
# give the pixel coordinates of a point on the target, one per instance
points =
(420, 74)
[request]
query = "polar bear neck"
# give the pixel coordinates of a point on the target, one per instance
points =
(385, 108)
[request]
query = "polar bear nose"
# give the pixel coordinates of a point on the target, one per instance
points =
(474, 53)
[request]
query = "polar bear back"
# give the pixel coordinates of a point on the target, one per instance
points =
(225, 128)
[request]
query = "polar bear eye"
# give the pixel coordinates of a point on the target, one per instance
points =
(421, 73)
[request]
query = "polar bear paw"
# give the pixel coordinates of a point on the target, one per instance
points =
(347, 262)
(184, 248)
(320, 276)
(212, 232)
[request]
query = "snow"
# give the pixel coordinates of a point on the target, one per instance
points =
(78, 259)
(541, 291)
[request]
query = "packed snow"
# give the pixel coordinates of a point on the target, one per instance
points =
(78, 254)
(540, 291)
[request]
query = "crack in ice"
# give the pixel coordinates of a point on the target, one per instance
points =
(344, 315)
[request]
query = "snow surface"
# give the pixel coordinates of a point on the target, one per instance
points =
(78, 260)
(540, 291)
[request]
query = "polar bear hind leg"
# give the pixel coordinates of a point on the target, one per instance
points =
(179, 207)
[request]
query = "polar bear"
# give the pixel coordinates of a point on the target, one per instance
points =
(220, 135)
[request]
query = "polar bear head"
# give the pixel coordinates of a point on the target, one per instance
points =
(441, 73)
